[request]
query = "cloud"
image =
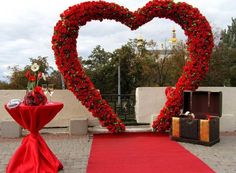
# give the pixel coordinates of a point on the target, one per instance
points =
(4, 71)
(26, 28)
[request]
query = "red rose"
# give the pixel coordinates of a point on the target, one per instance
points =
(40, 75)
(38, 89)
(35, 97)
(200, 43)
(32, 78)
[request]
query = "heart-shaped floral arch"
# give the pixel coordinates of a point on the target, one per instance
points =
(199, 43)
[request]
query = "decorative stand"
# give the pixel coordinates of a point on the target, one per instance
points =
(34, 155)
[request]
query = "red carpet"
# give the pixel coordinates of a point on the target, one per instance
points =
(141, 153)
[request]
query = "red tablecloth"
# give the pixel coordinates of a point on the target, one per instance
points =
(33, 155)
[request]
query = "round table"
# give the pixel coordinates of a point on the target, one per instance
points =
(33, 155)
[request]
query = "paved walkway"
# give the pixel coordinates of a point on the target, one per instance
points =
(73, 151)
(221, 157)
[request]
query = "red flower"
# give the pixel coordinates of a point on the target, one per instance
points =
(32, 78)
(200, 44)
(38, 89)
(40, 75)
(35, 97)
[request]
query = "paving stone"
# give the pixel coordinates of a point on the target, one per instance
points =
(73, 152)
(220, 157)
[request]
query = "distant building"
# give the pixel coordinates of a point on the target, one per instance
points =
(164, 50)
(173, 40)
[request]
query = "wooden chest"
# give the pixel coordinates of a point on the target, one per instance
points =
(204, 128)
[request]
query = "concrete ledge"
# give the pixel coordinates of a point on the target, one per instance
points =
(228, 123)
(98, 130)
(93, 121)
(137, 129)
(10, 129)
(78, 126)
(129, 129)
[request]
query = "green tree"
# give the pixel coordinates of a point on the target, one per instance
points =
(223, 61)
(55, 78)
(229, 35)
(137, 65)
(141, 65)
(157, 61)
(124, 57)
(100, 68)
(176, 62)
(228, 43)
(4, 85)
(17, 79)
(219, 68)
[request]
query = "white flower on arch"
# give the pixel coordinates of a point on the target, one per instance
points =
(35, 67)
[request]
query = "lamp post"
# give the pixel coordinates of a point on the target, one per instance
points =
(119, 88)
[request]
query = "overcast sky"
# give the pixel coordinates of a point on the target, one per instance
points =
(26, 28)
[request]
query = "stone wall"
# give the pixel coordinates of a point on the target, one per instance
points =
(150, 100)
(72, 107)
